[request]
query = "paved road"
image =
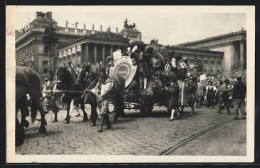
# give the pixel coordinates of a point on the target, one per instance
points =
(229, 140)
(130, 136)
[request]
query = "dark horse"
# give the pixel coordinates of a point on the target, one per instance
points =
(27, 82)
(68, 83)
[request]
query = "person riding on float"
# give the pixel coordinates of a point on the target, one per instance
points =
(131, 49)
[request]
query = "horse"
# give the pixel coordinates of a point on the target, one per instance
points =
(65, 81)
(28, 82)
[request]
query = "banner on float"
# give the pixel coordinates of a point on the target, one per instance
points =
(117, 55)
(203, 77)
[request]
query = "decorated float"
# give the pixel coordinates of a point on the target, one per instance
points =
(149, 74)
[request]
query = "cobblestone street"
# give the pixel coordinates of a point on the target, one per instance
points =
(134, 135)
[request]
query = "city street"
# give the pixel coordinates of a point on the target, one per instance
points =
(204, 133)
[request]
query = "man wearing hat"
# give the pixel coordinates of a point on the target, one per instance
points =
(224, 92)
(50, 85)
(239, 94)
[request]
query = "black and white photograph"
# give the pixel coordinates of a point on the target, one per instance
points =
(130, 84)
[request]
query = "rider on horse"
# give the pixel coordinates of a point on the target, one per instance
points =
(72, 70)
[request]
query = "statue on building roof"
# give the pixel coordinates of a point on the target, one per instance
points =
(101, 27)
(126, 26)
(93, 26)
(125, 23)
(67, 23)
(84, 25)
(109, 29)
(39, 14)
(131, 26)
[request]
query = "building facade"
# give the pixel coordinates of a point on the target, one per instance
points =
(211, 60)
(31, 49)
(91, 48)
(217, 54)
(233, 45)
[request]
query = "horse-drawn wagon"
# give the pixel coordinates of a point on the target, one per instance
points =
(143, 91)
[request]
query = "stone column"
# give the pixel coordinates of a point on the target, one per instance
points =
(103, 54)
(232, 56)
(209, 69)
(95, 53)
(111, 50)
(242, 54)
(86, 53)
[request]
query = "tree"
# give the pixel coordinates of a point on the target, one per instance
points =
(50, 39)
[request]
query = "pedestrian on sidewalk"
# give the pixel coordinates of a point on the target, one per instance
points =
(239, 95)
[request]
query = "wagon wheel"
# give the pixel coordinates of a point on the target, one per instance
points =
(19, 133)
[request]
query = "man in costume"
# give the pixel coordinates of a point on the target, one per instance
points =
(131, 49)
(182, 72)
(102, 90)
(50, 85)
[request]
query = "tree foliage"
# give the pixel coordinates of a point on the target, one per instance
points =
(50, 37)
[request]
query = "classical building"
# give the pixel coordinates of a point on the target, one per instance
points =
(91, 48)
(233, 45)
(217, 54)
(31, 49)
(95, 46)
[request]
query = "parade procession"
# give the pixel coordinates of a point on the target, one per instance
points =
(131, 81)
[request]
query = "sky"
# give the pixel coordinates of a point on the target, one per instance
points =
(169, 24)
